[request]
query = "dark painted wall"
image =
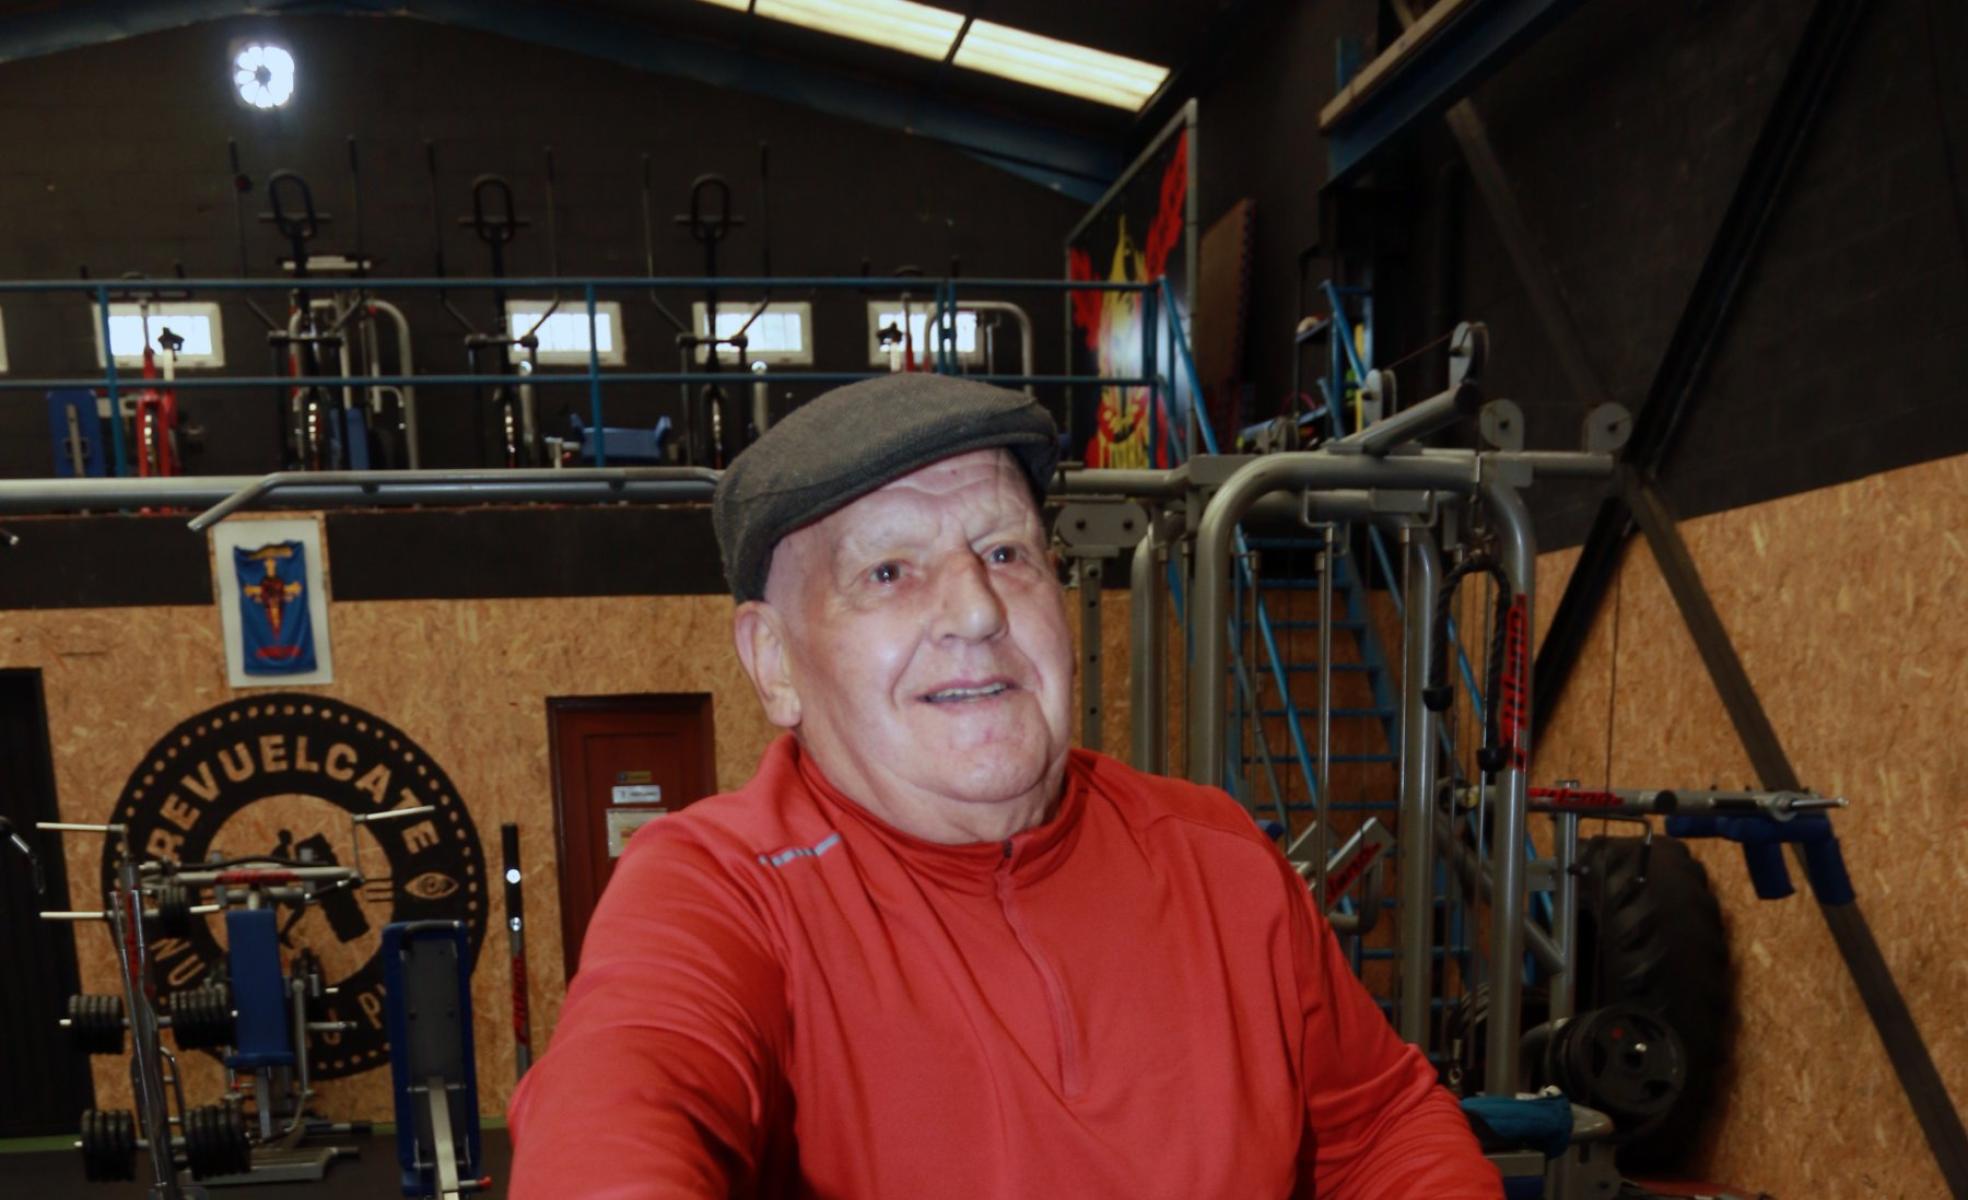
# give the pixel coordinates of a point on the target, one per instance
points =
(114, 158)
(1624, 132)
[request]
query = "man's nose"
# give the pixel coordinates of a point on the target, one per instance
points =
(967, 605)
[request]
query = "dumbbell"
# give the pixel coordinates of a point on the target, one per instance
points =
(200, 1017)
(214, 1143)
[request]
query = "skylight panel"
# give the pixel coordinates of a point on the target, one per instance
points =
(903, 25)
(1059, 66)
(984, 46)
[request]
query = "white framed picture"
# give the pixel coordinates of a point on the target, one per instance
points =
(273, 604)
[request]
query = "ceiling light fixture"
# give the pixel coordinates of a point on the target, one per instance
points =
(263, 74)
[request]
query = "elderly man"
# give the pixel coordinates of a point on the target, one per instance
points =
(930, 949)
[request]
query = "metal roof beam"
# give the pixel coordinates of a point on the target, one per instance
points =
(1054, 158)
(1433, 75)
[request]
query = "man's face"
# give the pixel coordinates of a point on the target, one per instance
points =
(926, 651)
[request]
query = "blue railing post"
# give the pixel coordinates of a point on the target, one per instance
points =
(1177, 405)
(594, 381)
(115, 392)
(946, 330)
(1151, 366)
(1187, 364)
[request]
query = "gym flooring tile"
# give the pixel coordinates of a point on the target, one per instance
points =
(56, 1174)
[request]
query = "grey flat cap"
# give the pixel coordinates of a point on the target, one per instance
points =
(851, 440)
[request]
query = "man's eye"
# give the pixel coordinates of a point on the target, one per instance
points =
(887, 572)
(1003, 554)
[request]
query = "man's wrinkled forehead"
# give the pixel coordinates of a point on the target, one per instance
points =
(985, 486)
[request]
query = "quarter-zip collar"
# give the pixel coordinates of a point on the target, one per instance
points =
(1025, 857)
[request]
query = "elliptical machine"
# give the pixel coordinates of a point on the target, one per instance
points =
(328, 333)
(514, 439)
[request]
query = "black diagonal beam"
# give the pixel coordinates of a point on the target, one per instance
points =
(1939, 1120)
(1813, 70)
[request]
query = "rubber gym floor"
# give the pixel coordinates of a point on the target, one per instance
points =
(45, 1168)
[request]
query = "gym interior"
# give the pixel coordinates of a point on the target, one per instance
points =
(1511, 446)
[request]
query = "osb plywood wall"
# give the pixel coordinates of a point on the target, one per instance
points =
(1844, 605)
(467, 682)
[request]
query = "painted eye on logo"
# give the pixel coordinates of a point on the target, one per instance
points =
(431, 885)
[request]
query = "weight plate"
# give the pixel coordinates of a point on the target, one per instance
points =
(215, 1142)
(95, 1023)
(173, 909)
(1622, 1060)
(201, 1017)
(109, 1145)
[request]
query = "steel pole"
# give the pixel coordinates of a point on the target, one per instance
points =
(1417, 828)
(1147, 681)
(1517, 552)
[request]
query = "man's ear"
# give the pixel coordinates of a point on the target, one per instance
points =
(760, 634)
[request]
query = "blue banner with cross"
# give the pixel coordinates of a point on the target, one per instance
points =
(275, 625)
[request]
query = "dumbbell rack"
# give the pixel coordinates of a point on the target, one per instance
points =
(204, 1017)
(214, 1142)
(213, 1138)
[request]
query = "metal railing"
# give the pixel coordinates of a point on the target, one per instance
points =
(947, 297)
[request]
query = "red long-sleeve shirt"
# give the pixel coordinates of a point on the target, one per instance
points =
(781, 995)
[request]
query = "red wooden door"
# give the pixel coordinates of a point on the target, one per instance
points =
(619, 762)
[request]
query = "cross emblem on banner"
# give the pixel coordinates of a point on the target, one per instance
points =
(272, 593)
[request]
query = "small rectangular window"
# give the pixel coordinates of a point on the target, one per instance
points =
(782, 334)
(3, 347)
(887, 314)
(564, 335)
(131, 328)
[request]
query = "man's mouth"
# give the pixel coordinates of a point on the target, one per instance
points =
(957, 695)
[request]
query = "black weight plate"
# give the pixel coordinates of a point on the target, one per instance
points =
(173, 909)
(95, 1023)
(1625, 1062)
(109, 1148)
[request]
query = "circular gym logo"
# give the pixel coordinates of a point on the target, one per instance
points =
(281, 775)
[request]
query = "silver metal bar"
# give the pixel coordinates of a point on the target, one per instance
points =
(1432, 415)
(1563, 984)
(1092, 570)
(1024, 320)
(1517, 552)
(1550, 464)
(1322, 838)
(529, 425)
(394, 814)
(444, 1153)
(1147, 682)
(407, 393)
(1145, 485)
(1416, 829)
(367, 489)
(146, 1068)
(208, 878)
(474, 486)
